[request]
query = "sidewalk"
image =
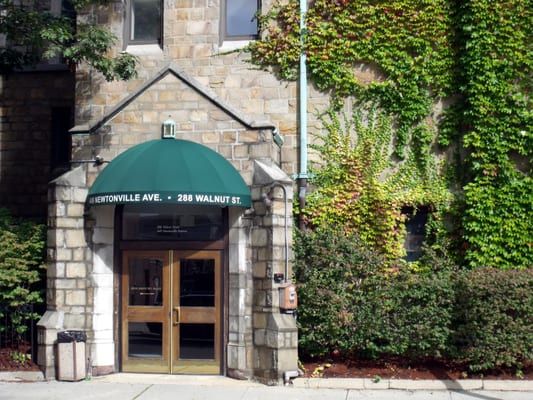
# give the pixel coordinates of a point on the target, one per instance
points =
(160, 387)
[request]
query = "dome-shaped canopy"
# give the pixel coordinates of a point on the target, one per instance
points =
(170, 171)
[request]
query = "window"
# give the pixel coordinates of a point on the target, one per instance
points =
(415, 225)
(144, 22)
(172, 222)
(240, 20)
(60, 140)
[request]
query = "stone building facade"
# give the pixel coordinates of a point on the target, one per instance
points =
(178, 279)
(36, 112)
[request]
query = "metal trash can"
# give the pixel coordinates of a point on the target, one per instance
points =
(71, 355)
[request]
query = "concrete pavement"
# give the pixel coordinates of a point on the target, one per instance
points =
(162, 387)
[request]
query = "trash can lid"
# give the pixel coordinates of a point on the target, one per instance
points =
(71, 336)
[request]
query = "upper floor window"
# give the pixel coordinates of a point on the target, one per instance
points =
(144, 22)
(240, 19)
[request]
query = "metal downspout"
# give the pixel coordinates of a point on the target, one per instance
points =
(302, 175)
(268, 203)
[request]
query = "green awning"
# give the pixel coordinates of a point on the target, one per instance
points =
(170, 171)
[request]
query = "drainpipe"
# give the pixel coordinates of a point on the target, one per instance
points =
(268, 203)
(302, 176)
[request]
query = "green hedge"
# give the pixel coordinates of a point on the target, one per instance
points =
(330, 268)
(405, 314)
(493, 318)
(482, 319)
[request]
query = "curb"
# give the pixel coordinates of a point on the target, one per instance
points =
(312, 383)
(404, 384)
(22, 376)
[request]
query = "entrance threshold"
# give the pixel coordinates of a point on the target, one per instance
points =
(189, 380)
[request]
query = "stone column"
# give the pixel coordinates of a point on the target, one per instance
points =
(275, 333)
(101, 344)
(68, 252)
(240, 296)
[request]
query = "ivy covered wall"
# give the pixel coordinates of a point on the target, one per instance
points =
(473, 56)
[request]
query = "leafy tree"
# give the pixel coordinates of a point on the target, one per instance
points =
(33, 33)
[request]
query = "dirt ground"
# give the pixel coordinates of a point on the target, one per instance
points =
(394, 369)
(337, 368)
(16, 360)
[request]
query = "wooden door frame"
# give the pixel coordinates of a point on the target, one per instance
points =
(120, 245)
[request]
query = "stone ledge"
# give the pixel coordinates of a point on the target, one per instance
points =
(429, 384)
(21, 376)
(405, 384)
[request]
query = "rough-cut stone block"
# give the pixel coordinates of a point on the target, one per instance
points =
(76, 270)
(75, 238)
(75, 298)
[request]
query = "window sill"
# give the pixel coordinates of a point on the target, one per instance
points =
(231, 45)
(144, 50)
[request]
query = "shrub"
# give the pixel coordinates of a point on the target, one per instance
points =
(330, 266)
(480, 318)
(22, 265)
(350, 304)
(405, 314)
(493, 318)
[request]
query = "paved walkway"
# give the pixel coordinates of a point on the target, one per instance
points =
(162, 387)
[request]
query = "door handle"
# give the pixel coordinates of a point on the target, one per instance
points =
(176, 312)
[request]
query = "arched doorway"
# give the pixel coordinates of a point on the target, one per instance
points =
(172, 273)
(172, 198)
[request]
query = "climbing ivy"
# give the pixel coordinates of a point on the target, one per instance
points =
(407, 43)
(358, 186)
(474, 54)
(496, 62)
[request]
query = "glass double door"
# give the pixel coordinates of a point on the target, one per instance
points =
(170, 312)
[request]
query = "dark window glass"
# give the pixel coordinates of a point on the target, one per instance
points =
(145, 340)
(168, 222)
(241, 21)
(415, 225)
(197, 283)
(145, 276)
(197, 341)
(145, 21)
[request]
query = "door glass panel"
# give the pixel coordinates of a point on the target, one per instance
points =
(172, 222)
(145, 282)
(197, 341)
(145, 340)
(197, 283)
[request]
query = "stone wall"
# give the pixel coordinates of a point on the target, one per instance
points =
(192, 42)
(225, 105)
(25, 123)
